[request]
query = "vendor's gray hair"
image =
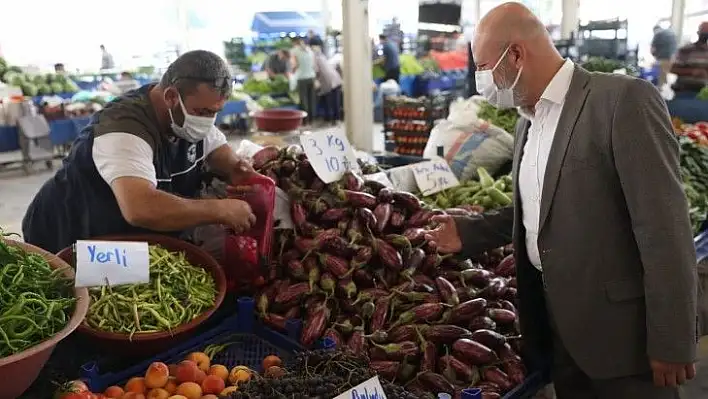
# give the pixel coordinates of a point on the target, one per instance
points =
(197, 67)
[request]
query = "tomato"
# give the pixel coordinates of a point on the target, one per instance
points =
(76, 389)
(77, 395)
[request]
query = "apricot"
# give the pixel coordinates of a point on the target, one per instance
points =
(157, 375)
(228, 391)
(187, 371)
(201, 359)
(133, 395)
(177, 397)
(210, 396)
(213, 384)
(158, 393)
(239, 375)
(271, 360)
(219, 371)
(200, 376)
(136, 385)
(190, 390)
(171, 385)
(113, 392)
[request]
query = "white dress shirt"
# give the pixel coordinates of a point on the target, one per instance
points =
(534, 158)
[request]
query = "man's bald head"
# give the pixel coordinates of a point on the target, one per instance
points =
(515, 45)
(510, 22)
(703, 28)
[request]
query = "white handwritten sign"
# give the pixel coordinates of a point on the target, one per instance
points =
(434, 176)
(330, 154)
(111, 263)
(369, 389)
(380, 177)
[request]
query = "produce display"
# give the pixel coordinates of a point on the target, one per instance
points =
(410, 120)
(177, 293)
(475, 195)
(33, 85)
(36, 301)
(358, 270)
(409, 67)
(599, 64)
(694, 171)
(277, 85)
(503, 118)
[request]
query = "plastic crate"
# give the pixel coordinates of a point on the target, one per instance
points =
(252, 341)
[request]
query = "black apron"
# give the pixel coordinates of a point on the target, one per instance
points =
(78, 204)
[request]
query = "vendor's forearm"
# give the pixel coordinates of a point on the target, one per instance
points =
(142, 205)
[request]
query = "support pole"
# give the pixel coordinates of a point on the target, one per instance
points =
(358, 81)
(678, 12)
(569, 22)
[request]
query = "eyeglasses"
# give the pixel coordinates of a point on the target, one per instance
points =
(225, 82)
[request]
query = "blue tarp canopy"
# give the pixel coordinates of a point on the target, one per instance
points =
(286, 22)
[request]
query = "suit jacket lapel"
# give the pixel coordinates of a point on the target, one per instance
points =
(574, 101)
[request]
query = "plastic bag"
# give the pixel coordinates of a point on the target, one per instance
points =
(469, 142)
(387, 88)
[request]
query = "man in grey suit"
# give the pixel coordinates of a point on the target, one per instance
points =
(606, 268)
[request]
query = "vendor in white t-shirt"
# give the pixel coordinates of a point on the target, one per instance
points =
(137, 166)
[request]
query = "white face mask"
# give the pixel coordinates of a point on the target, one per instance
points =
(195, 128)
(500, 98)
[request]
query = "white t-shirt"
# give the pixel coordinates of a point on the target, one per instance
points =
(127, 155)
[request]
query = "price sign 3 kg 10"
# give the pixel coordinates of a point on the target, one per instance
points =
(330, 154)
(434, 176)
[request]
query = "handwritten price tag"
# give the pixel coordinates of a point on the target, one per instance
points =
(330, 154)
(369, 389)
(111, 263)
(434, 176)
(380, 177)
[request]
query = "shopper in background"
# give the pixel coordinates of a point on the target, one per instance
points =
(663, 49)
(389, 61)
(106, 59)
(304, 71)
(606, 274)
(137, 166)
(126, 83)
(691, 64)
(59, 69)
(278, 63)
(313, 39)
(330, 87)
(457, 42)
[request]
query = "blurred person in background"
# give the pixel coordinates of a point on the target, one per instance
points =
(137, 166)
(278, 63)
(59, 69)
(330, 87)
(691, 64)
(106, 59)
(313, 39)
(303, 63)
(390, 59)
(663, 49)
(457, 42)
(126, 83)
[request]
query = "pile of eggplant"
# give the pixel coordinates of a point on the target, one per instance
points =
(358, 270)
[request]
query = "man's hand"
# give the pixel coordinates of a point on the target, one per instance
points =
(236, 214)
(671, 374)
(241, 169)
(445, 235)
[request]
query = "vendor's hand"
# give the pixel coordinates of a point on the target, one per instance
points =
(236, 214)
(242, 169)
(445, 235)
(671, 374)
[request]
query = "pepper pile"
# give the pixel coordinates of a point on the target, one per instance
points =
(475, 195)
(36, 301)
(176, 294)
(503, 118)
(357, 269)
(694, 171)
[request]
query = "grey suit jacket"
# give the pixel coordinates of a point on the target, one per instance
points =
(619, 265)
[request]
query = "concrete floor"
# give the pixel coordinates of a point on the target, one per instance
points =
(18, 189)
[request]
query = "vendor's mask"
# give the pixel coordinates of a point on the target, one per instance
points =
(195, 128)
(501, 98)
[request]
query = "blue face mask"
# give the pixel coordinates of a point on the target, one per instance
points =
(500, 98)
(195, 128)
